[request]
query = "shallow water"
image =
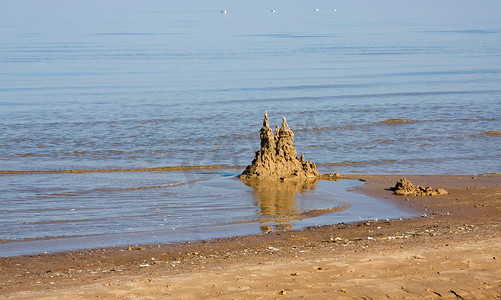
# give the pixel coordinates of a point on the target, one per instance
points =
(118, 209)
(92, 85)
(89, 85)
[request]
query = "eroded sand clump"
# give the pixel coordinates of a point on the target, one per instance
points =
(277, 159)
(405, 188)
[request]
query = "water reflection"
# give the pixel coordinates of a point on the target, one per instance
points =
(277, 201)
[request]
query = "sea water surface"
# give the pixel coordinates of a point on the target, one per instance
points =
(154, 88)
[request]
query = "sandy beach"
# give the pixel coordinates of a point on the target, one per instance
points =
(243, 150)
(451, 251)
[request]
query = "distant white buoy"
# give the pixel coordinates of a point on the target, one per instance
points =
(223, 12)
(273, 10)
(316, 9)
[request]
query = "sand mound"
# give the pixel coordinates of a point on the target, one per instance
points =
(405, 188)
(277, 159)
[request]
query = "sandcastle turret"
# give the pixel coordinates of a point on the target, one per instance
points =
(267, 138)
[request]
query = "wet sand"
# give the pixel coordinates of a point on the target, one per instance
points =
(451, 251)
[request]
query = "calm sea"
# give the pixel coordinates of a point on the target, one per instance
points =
(367, 87)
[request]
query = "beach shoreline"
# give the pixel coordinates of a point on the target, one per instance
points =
(451, 250)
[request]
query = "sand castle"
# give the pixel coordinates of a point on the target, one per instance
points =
(277, 159)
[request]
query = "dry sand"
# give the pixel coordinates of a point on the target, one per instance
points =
(453, 251)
